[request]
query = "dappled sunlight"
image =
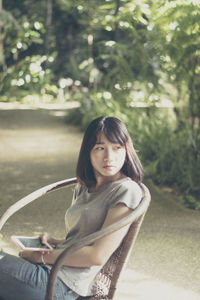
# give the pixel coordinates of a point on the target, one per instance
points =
(139, 286)
(34, 135)
(36, 144)
(58, 113)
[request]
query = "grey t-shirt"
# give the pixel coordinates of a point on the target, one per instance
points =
(87, 215)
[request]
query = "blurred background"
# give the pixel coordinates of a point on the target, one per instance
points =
(63, 63)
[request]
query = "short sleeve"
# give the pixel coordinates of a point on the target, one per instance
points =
(76, 192)
(129, 193)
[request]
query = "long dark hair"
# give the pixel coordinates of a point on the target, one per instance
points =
(116, 132)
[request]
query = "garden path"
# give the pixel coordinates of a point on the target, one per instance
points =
(38, 148)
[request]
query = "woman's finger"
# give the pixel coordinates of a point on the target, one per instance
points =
(44, 237)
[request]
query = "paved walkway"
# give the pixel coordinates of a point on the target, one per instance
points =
(38, 148)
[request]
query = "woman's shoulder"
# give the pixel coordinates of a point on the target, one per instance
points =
(127, 191)
(131, 186)
(128, 183)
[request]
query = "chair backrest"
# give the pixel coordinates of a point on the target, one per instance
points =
(110, 273)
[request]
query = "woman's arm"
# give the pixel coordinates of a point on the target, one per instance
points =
(95, 254)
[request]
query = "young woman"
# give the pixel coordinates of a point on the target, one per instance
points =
(109, 174)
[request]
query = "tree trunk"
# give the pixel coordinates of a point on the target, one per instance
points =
(117, 23)
(2, 58)
(49, 11)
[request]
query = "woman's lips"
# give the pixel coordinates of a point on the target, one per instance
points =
(108, 167)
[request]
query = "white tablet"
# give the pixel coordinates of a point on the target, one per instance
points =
(30, 243)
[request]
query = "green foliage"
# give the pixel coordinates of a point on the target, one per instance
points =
(23, 70)
(94, 105)
(28, 75)
(169, 153)
(177, 25)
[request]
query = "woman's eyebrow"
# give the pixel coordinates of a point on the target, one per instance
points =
(100, 143)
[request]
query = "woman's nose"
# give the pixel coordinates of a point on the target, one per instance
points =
(108, 155)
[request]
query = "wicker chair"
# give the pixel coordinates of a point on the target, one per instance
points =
(108, 276)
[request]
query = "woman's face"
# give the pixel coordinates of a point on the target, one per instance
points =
(107, 158)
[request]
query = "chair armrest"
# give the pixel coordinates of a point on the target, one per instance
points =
(33, 196)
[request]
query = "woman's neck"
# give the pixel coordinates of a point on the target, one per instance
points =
(103, 181)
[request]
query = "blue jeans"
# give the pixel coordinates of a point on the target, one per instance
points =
(22, 280)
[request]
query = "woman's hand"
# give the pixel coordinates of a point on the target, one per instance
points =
(41, 257)
(32, 256)
(46, 238)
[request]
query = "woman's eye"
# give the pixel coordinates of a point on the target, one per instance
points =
(99, 148)
(118, 147)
